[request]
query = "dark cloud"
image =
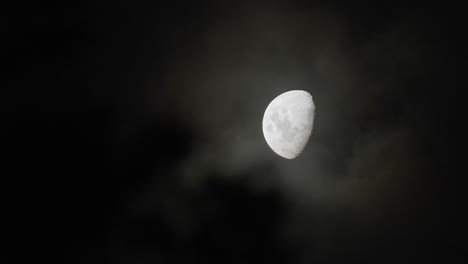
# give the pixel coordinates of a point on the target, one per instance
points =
(145, 120)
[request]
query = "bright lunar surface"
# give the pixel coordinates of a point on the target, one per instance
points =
(288, 122)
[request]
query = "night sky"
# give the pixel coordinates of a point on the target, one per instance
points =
(133, 131)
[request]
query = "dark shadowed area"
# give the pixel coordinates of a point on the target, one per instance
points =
(133, 131)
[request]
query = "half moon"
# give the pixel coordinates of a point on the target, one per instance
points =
(288, 122)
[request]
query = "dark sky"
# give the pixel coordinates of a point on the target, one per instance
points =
(133, 131)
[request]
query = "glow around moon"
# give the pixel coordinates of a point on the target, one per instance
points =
(288, 123)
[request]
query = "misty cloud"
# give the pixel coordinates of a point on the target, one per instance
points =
(236, 66)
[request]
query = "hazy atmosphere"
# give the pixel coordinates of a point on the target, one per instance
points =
(140, 126)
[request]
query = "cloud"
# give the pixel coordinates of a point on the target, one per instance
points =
(361, 166)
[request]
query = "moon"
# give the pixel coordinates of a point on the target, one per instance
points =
(288, 122)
